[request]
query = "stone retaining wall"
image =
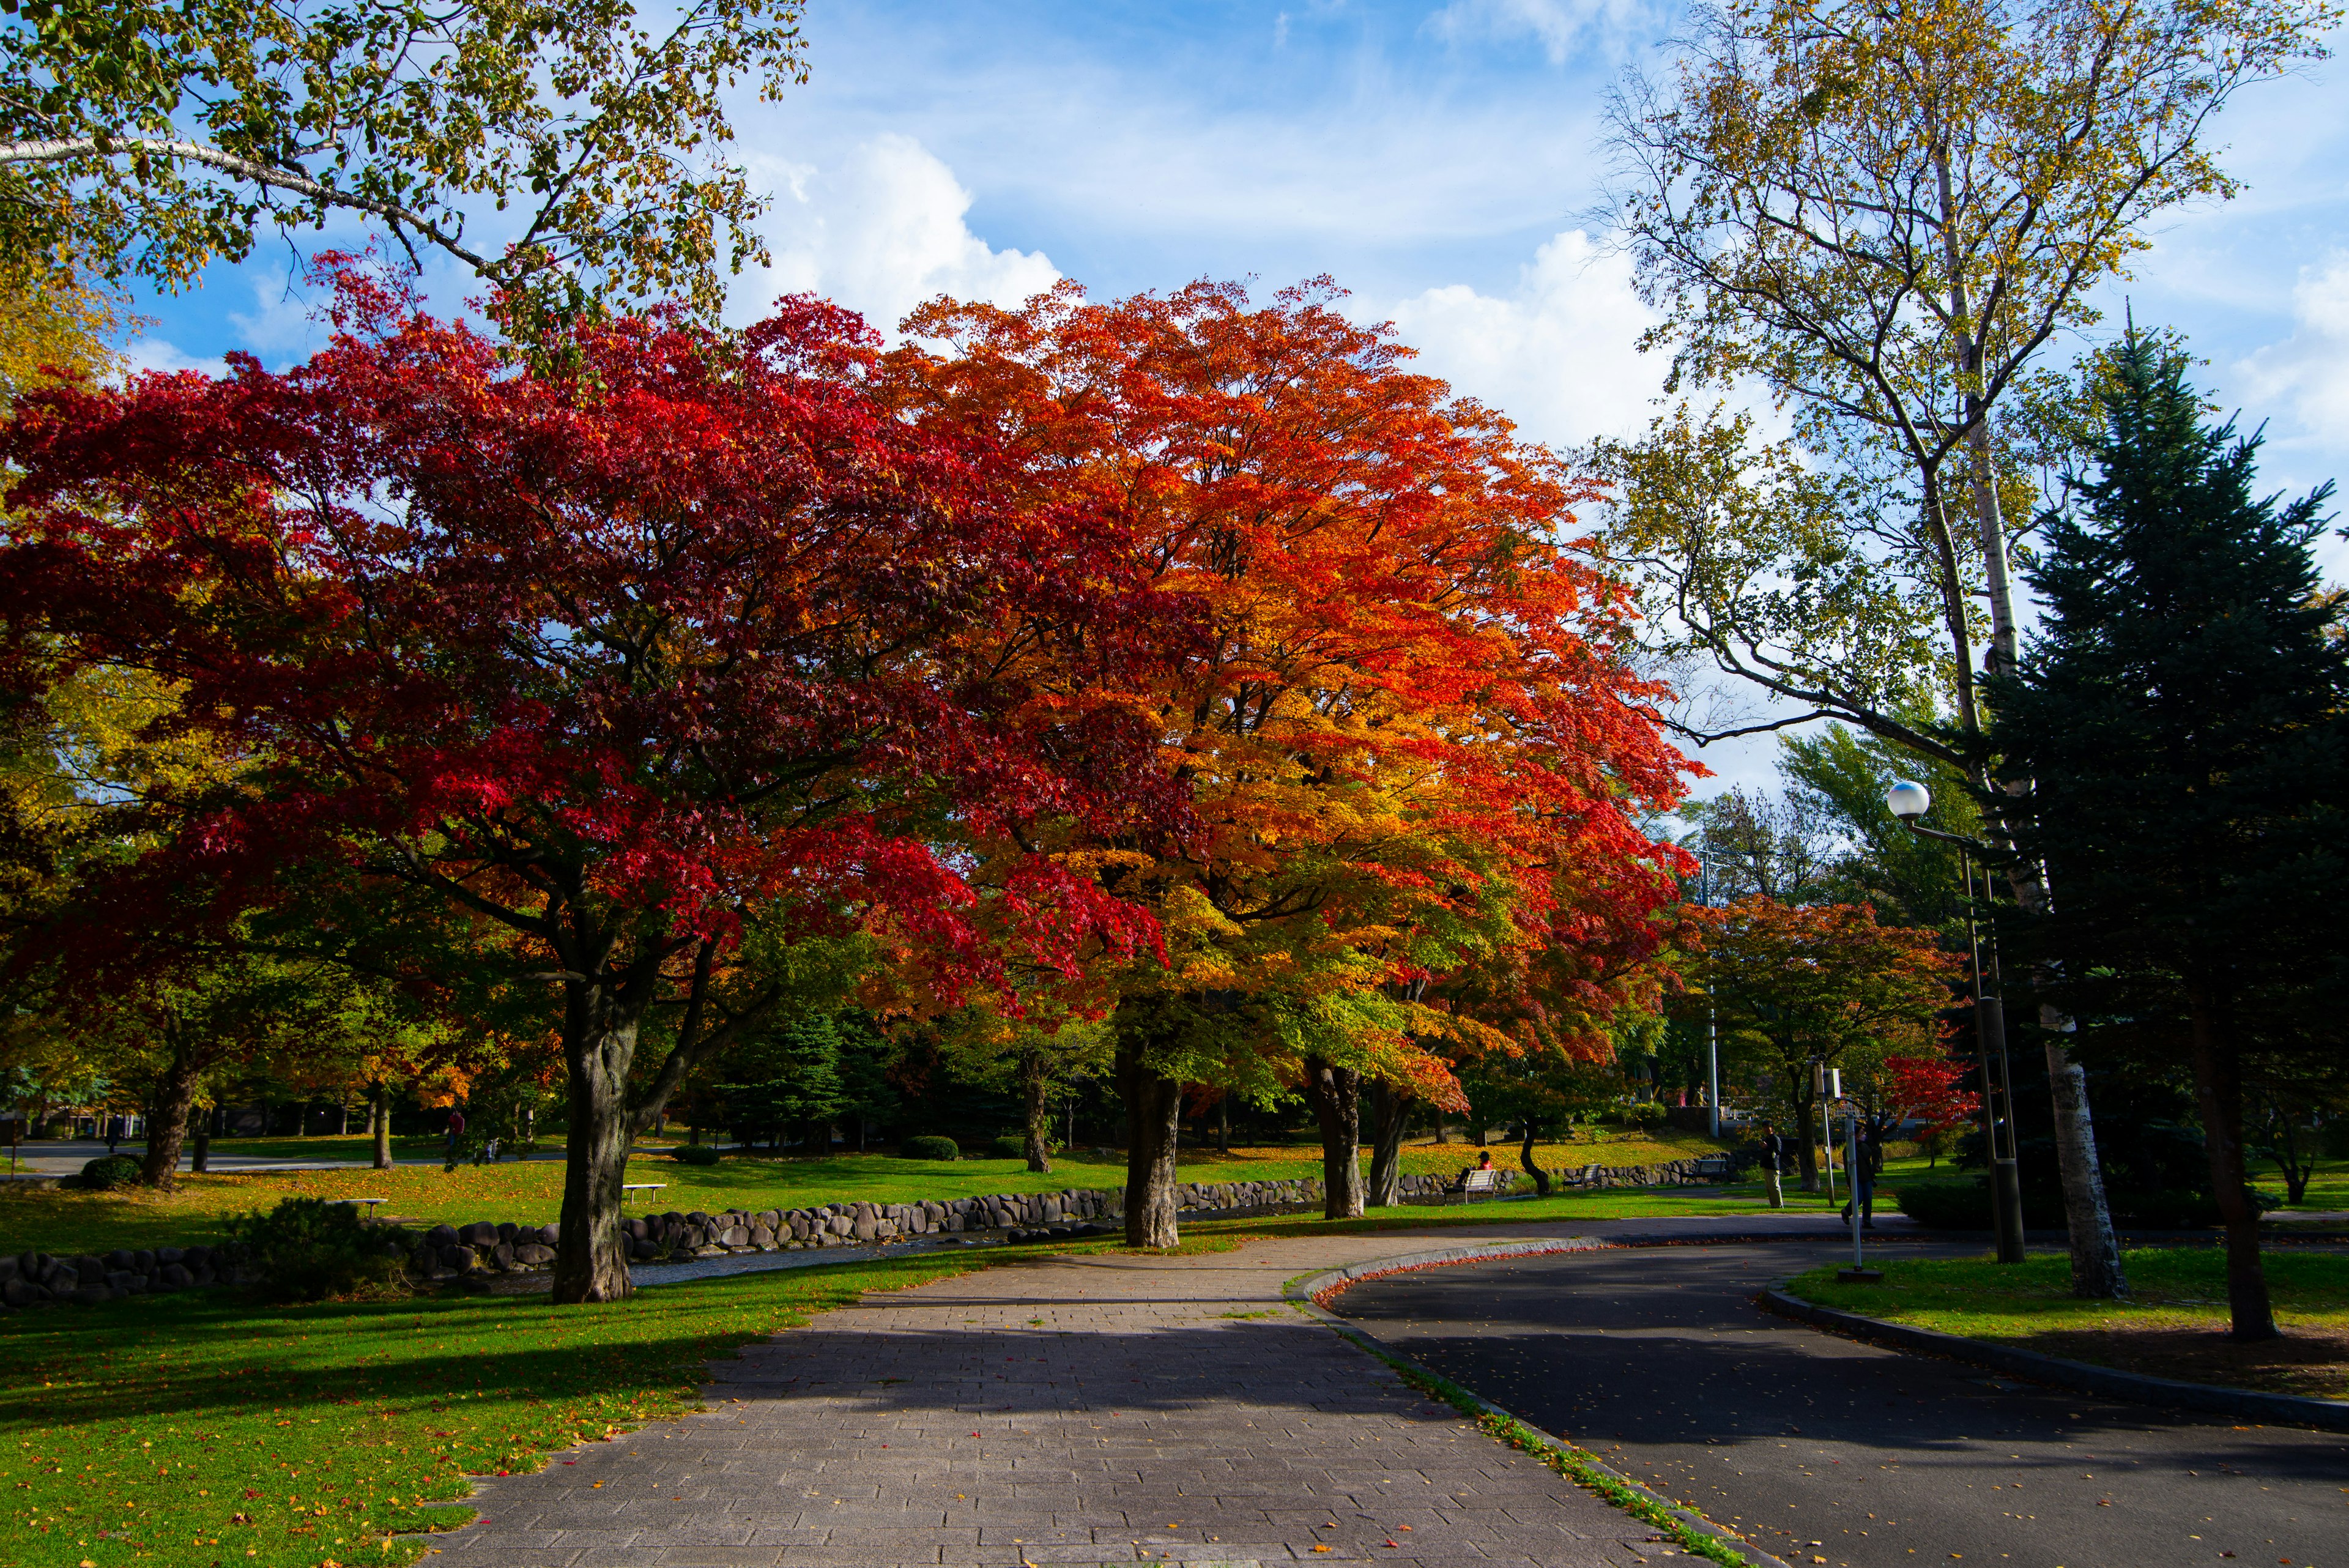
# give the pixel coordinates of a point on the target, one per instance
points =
(486, 1247)
(29, 1279)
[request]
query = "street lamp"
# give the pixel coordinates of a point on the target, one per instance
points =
(1711, 1012)
(1909, 803)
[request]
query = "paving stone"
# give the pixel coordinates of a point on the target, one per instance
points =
(1142, 1419)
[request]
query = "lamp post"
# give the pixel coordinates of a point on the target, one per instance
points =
(1711, 1012)
(1909, 803)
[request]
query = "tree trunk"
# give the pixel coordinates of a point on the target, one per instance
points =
(2219, 1086)
(1224, 1125)
(599, 1046)
(379, 1123)
(2097, 1272)
(1526, 1159)
(1475, 1129)
(200, 1144)
(167, 1128)
(1807, 1147)
(1040, 1121)
(1336, 1094)
(1154, 1107)
(1443, 1133)
(1389, 1110)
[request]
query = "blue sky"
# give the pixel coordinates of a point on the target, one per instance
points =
(1438, 159)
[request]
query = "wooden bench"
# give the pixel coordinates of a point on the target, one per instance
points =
(370, 1202)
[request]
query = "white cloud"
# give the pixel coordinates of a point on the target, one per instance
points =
(282, 326)
(1558, 354)
(2309, 369)
(1555, 25)
(143, 354)
(880, 231)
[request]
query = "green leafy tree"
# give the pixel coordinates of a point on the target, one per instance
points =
(1797, 986)
(787, 1076)
(1886, 217)
(2185, 714)
(1841, 774)
(152, 138)
(1041, 1057)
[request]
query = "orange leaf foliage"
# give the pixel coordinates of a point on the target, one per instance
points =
(1413, 743)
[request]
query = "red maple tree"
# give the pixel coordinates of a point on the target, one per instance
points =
(621, 651)
(1927, 1089)
(1411, 733)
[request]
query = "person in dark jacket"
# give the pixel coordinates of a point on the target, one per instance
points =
(1866, 1168)
(1775, 1151)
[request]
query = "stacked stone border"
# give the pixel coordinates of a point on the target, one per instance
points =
(487, 1247)
(1308, 1294)
(2085, 1377)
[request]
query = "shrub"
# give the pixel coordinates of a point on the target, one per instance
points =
(930, 1146)
(2176, 1211)
(109, 1171)
(1014, 1145)
(695, 1154)
(308, 1249)
(1646, 1114)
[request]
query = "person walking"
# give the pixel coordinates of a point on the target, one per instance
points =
(1867, 1164)
(1775, 1151)
(456, 1129)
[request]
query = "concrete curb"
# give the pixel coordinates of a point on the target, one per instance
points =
(2281, 1410)
(1301, 1294)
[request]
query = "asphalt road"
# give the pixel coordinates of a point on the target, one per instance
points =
(1825, 1451)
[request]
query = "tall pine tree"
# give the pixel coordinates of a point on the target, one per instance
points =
(2181, 714)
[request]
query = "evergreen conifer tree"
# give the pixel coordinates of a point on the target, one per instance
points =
(2181, 716)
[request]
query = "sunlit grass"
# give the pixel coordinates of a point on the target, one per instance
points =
(530, 1192)
(2174, 1323)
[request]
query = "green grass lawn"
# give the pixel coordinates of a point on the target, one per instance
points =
(202, 1429)
(530, 1191)
(2175, 1324)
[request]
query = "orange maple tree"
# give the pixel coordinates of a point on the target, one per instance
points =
(1411, 738)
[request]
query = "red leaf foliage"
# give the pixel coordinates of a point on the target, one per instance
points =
(604, 644)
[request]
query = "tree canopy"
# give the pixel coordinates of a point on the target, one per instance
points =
(2185, 714)
(528, 140)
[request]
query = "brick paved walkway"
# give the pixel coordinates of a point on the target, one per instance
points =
(1077, 1411)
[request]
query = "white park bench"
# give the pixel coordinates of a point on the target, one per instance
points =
(627, 1187)
(371, 1203)
(1476, 1181)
